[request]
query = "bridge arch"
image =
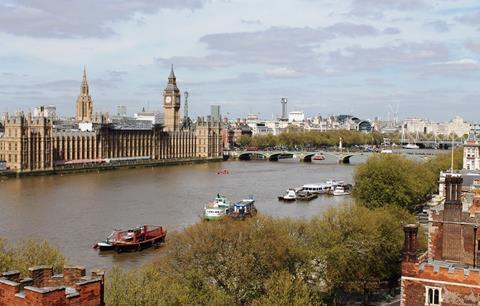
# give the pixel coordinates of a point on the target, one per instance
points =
(252, 155)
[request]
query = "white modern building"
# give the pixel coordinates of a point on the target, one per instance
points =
(296, 116)
(471, 155)
(155, 117)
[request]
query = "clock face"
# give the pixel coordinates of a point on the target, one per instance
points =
(168, 99)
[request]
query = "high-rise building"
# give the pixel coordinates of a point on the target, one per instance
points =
(284, 109)
(84, 102)
(171, 104)
(215, 112)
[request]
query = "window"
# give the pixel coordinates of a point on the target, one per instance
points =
(433, 296)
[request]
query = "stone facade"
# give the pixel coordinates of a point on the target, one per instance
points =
(43, 288)
(33, 144)
(471, 155)
(447, 273)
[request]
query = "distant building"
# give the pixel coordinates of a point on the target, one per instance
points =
(35, 144)
(121, 111)
(447, 273)
(296, 116)
(155, 117)
(48, 111)
(284, 102)
(456, 126)
(215, 112)
(471, 154)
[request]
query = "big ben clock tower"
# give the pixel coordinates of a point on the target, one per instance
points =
(171, 104)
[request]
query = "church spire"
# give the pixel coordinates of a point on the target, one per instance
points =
(172, 77)
(84, 86)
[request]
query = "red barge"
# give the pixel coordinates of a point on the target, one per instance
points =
(135, 239)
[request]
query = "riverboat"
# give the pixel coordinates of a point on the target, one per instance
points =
(217, 209)
(316, 188)
(318, 157)
(135, 239)
(244, 208)
(411, 146)
(289, 196)
(306, 196)
(342, 190)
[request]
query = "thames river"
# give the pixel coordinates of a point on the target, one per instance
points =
(75, 211)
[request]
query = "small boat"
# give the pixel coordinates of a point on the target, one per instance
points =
(332, 184)
(342, 190)
(135, 239)
(318, 157)
(411, 146)
(306, 196)
(386, 151)
(217, 209)
(289, 196)
(244, 208)
(223, 172)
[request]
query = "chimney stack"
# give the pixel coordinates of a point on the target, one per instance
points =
(410, 245)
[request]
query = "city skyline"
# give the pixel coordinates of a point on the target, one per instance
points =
(355, 57)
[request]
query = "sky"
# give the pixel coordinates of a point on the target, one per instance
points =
(360, 57)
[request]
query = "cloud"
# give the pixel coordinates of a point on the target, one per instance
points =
(283, 72)
(375, 8)
(357, 57)
(472, 19)
(473, 45)
(439, 26)
(455, 68)
(391, 31)
(78, 18)
(352, 30)
(251, 22)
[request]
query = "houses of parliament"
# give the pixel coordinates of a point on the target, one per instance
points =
(37, 143)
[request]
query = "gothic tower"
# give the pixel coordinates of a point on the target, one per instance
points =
(84, 102)
(171, 104)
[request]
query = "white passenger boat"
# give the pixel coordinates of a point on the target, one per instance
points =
(289, 196)
(316, 188)
(342, 190)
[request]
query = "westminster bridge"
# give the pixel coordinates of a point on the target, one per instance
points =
(342, 157)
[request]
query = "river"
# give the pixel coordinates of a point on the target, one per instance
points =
(75, 211)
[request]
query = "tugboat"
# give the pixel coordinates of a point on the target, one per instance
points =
(244, 208)
(289, 196)
(135, 239)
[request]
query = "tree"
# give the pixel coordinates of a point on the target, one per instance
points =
(29, 253)
(356, 247)
(244, 141)
(391, 179)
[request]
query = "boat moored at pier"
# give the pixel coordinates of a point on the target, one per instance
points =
(244, 208)
(135, 239)
(218, 209)
(289, 196)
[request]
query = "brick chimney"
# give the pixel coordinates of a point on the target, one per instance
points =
(452, 248)
(410, 245)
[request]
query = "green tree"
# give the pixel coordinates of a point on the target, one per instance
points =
(356, 247)
(244, 141)
(29, 253)
(391, 179)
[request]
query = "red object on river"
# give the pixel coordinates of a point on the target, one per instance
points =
(135, 239)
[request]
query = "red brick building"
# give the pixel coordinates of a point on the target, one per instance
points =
(44, 288)
(447, 273)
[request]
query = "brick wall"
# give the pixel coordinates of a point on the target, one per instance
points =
(43, 288)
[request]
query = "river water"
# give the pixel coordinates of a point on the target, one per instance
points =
(75, 211)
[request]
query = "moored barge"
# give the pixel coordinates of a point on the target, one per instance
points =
(135, 239)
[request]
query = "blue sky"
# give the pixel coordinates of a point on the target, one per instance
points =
(327, 57)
